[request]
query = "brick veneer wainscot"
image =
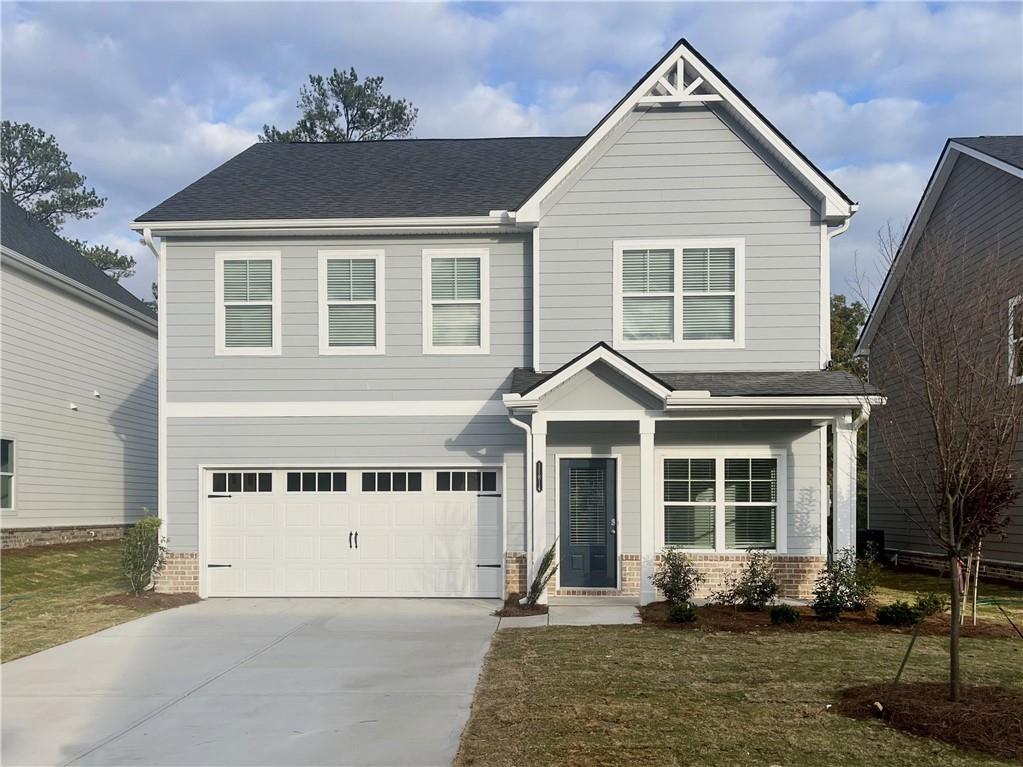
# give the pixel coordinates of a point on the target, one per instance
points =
(179, 574)
(20, 538)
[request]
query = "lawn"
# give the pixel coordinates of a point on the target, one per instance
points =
(899, 584)
(53, 594)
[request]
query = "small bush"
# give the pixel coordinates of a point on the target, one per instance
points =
(783, 613)
(754, 586)
(543, 575)
(142, 553)
(676, 577)
(898, 613)
(932, 604)
(845, 583)
(682, 613)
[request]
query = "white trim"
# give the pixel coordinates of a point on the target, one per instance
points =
(994, 162)
(684, 401)
(12, 510)
(221, 350)
(483, 254)
(1015, 344)
(58, 279)
(536, 300)
(617, 458)
(336, 409)
(825, 297)
(161, 375)
(377, 256)
(825, 496)
(500, 221)
(677, 245)
(720, 453)
(835, 204)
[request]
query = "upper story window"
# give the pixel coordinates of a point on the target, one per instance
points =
(456, 301)
(351, 302)
(1016, 340)
(6, 474)
(248, 302)
(678, 294)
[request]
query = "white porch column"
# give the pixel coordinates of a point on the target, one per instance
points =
(843, 508)
(539, 525)
(647, 510)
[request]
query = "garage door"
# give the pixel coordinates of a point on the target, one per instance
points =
(362, 532)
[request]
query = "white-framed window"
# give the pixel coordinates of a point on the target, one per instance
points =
(679, 294)
(351, 301)
(722, 500)
(1016, 340)
(7, 475)
(456, 301)
(248, 302)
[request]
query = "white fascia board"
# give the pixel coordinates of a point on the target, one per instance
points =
(57, 279)
(784, 401)
(992, 161)
(600, 355)
(336, 409)
(834, 206)
(501, 221)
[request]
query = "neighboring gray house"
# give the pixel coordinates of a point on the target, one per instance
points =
(78, 392)
(974, 197)
(409, 367)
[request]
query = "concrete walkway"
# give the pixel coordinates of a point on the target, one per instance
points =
(254, 682)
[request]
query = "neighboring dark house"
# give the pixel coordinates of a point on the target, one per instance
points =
(976, 196)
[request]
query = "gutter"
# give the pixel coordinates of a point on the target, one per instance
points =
(528, 538)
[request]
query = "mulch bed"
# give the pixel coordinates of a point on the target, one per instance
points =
(721, 618)
(512, 608)
(989, 719)
(150, 601)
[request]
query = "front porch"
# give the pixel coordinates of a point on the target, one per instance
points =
(621, 465)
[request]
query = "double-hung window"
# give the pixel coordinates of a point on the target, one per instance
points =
(1016, 340)
(351, 302)
(678, 294)
(248, 303)
(456, 301)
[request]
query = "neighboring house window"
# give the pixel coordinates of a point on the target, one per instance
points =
(6, 474)
(317, 481)
(242, 482)
(721, 502)
(679, 294)
(248, 303)
(1016, 340)
(351, 302)
(456, 302)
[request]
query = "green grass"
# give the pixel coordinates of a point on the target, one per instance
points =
(897, 584)
(50, 595)
(626, 695)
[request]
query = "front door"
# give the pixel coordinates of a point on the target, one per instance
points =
(589, 532)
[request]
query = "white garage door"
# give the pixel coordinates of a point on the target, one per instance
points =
(354, 532)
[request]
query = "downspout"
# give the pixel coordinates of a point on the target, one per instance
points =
(161, 381)
(527, 468)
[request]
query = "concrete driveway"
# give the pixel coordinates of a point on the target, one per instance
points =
(254, 682)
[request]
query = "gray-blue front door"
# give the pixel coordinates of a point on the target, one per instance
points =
(589, 535)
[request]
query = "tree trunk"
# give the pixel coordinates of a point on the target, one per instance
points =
(954, 685)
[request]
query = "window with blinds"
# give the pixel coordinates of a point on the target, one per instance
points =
(708, 294)
(587, 506)
(248, 303)
(689, 502)
(352, 310)
(751, 503)
(648, 295)
(457, 320)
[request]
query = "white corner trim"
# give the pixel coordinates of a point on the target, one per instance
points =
(536, 300)
(337, 409)
(161, 384)
(483, 254)
(221, 350)
(737, 244)
(377, 256)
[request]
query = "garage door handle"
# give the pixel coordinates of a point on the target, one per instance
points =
(218, 565)
(488, 565)
(488, 495)
(349, 539)
(356, 539)
(217, 495)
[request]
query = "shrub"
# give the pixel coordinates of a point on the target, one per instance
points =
(142, 553)
(543, 575)
(682, 613)
(754, 586)
(929, 605)
(898, 613)
(784, 614)
(845, 583)
(676, 577)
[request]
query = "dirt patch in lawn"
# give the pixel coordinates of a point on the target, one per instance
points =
(512, 608)
(150, 601)
(721, 618)
(989, 719)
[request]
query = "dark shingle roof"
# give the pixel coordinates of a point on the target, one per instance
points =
(1005, 148)
(22, 233)
(765, 384)
(369, 179)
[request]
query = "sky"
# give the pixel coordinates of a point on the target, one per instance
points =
(147, 97)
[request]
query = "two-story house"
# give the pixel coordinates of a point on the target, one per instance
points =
(409, 367)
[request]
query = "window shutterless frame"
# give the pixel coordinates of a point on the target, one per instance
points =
(1016, 341)
(738, 341)
(8, 484)
(325, 302)
(431, 255)
(220, 311)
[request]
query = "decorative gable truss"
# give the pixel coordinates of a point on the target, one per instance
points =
(671, 88)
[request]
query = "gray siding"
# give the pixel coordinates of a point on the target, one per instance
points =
(681, 173)
(339, 442)
(983, 208)
(300, 373)
(96, 465)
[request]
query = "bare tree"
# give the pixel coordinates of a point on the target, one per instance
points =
(950, 431)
